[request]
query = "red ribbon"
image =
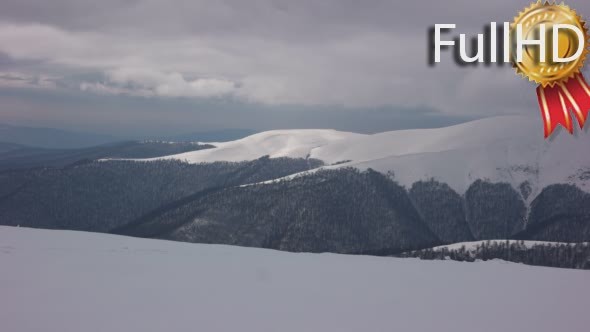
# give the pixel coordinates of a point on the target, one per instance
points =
(557, 101)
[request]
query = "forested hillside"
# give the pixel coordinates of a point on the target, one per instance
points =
(344, 210)
(350, 211)
(101, 196)
(21, 157)
(564, 255)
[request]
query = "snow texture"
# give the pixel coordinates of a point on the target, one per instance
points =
(501, 149)
(73, 281)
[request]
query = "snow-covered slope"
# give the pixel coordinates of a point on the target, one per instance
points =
(275, 143)
(72, 281)
(502, 149)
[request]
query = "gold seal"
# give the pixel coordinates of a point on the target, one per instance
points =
(549, 72)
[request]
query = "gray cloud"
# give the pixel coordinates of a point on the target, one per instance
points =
(330, 54)
(129, 116)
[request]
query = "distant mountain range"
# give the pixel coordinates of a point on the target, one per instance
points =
(7, 147)
(325, 190)
(50, 138)
(14, 156)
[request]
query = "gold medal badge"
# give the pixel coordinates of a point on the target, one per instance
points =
(562, 87)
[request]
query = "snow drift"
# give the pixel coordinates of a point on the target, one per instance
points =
(72, 281)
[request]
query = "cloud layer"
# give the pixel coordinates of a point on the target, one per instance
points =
(360, 54)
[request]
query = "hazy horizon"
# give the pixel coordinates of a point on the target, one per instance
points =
(139, 68)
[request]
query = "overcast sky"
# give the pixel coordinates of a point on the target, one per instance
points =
(131, 67)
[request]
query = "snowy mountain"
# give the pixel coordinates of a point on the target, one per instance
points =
(75, 281)
(275, 143)
(457, 184)
(503, 149)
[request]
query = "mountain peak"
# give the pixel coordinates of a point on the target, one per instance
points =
(498, 149)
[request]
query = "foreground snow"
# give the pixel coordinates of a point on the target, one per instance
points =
(502, 149)
(70, 281)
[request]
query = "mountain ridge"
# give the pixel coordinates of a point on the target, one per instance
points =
(499, 149)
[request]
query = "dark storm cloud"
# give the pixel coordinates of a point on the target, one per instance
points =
(335, 57)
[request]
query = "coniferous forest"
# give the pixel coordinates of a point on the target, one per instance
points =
(563, 255)
(260, 203)
(342, 211)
